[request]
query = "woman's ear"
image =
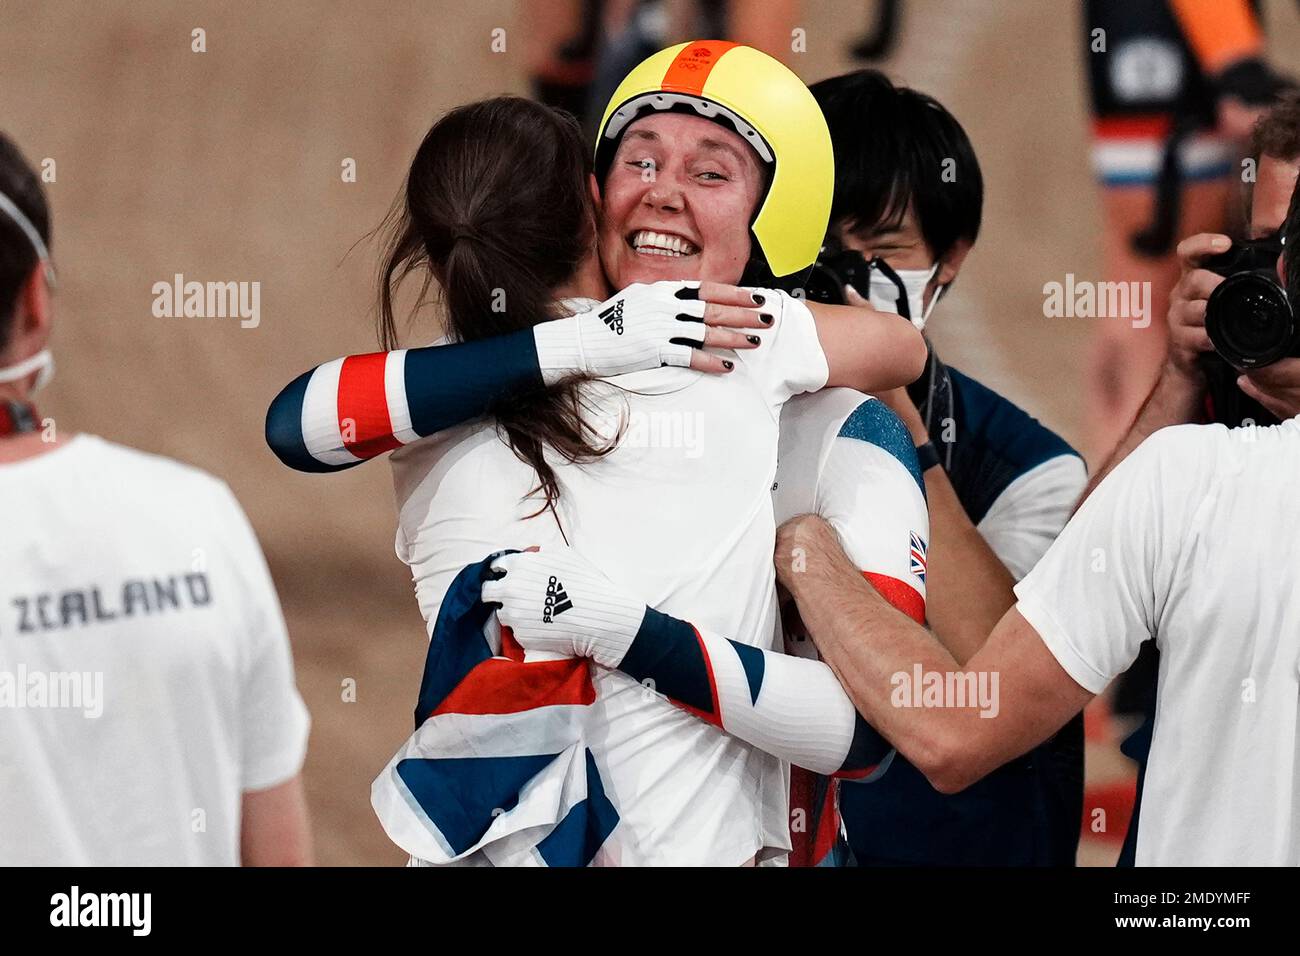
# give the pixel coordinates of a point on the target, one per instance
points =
(594, 187)
(951, 263)
(34, 307)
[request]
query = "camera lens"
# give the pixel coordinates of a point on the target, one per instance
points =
(825, 285)
(1249, 320)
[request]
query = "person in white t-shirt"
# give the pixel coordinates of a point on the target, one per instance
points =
(1188, 542)
(148, 713)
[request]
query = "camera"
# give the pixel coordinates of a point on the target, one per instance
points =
(1250, 323)
(837, 268)
(1248, 317)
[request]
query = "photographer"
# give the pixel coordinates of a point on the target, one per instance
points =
(1174, 546)
(1174, 90)
(1179, 394)
(1000, 486)
(1196, 385)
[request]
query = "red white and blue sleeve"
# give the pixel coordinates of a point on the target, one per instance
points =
(871, 491)
(352, 409)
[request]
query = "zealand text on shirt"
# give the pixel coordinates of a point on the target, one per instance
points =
(135, 597)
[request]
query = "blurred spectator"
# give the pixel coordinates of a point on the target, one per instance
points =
(147, 695)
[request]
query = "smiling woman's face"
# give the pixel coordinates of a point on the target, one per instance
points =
(677, 202)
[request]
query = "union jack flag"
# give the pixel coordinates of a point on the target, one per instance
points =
(918, 556)
(498, 768)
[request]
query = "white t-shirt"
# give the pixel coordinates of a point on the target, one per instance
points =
(134, 595)
(1192, 541)
(680, 514)
(1025, 519)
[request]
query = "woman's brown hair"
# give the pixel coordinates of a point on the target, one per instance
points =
(497, 208)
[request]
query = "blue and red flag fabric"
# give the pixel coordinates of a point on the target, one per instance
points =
(497, 771)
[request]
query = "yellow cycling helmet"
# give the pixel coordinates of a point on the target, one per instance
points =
(762, 100)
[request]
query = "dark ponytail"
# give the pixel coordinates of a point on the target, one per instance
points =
(497, 209)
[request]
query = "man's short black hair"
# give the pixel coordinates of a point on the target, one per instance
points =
(895, 147)
(20, 183)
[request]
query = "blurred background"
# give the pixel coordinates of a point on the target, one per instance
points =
(229, 165)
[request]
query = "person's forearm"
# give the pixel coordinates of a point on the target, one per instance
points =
(840, 610)
(1174, 400)
(867, 349)
(1011, 696)
(1219, 33)
(350, 410)
(274, 829)
(968, 587)
(790, 707)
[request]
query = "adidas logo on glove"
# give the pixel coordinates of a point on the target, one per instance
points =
(557, 601)
(613, 317)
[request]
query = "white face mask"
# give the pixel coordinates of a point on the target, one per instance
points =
(42, 363)
(890, 287)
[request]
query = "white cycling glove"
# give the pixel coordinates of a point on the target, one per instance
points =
(644, 326)
(557, 601)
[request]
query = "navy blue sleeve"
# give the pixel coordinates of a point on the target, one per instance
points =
(450, 384)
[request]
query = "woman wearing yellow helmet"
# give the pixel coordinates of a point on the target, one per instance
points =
(699, 138)
(673, 519)
(764, 161)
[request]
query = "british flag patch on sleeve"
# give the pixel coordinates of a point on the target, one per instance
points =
(918, 556)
